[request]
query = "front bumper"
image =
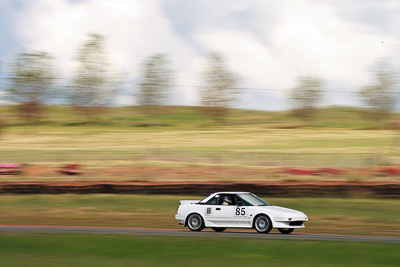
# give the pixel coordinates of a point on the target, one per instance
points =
(293, 223)
(288, 224)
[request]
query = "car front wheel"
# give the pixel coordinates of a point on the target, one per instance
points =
(195, 222)
(218, 229)
(263, 224)
(286, 230)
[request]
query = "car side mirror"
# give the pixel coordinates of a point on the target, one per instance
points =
(240, 203)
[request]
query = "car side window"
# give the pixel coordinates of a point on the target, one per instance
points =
(221, 199)
(213, 201)
(228, 200)
(242, 202)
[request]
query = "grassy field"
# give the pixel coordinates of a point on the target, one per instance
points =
(327, 215)
(191, 116)
(339, 137)
(99, 250)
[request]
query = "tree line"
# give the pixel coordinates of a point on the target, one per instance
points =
(33, 84)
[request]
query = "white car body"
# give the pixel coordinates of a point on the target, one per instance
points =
(240, 214)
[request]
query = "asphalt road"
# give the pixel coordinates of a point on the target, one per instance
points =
(187, 233)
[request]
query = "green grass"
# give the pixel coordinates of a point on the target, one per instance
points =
(100, 250)
(191, 116)
(327, 215)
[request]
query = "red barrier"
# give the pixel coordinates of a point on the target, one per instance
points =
(71, 169)
(10, 168)
(301, 171)
(389, 171)
(328, 170)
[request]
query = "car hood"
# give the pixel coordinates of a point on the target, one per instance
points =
(283, 210)
(280, 212)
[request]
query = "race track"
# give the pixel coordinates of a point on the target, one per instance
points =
(187, 233)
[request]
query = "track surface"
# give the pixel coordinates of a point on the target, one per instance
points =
(186, 232)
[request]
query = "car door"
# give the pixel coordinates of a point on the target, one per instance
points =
(210, 210)
(230, 215)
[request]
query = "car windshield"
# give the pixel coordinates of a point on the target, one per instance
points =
(253, 200)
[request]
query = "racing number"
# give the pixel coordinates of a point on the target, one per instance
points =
(240, 212)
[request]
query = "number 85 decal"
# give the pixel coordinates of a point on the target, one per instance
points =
(240, 211)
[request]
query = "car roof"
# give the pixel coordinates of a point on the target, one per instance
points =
(222, 193)
(231, 192)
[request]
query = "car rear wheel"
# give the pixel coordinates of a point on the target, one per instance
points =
(195, 222)
(263, 224)
(286, 230)
(218, 229)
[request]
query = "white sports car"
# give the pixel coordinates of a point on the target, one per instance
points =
(238, 210)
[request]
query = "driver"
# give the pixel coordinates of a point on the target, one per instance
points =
(227, 200)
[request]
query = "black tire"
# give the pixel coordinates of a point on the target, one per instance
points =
(218, 229)
(262, 224)
(286, 231)
(195, 222)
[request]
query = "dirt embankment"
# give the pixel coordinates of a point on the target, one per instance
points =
(311, 188)
(194, 180)
(212, 173)
(158, 173)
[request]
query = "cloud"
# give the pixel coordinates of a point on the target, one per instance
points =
(304, 37)
(269, 43)
(133, 29)
(3, 101)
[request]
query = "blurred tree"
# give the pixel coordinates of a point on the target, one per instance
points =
(2, 123)
(221, 89)
(155, 85)
(381, 98)
(2, 127)
(32, 79)
(305, 97)
(94, 86)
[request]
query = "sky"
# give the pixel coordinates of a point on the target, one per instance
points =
(268, 43)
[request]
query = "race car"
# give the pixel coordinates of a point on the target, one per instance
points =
(223, 210)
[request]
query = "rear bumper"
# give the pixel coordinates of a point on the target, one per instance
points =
(178, 217)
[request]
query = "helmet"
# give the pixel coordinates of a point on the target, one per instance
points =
(228, 199)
